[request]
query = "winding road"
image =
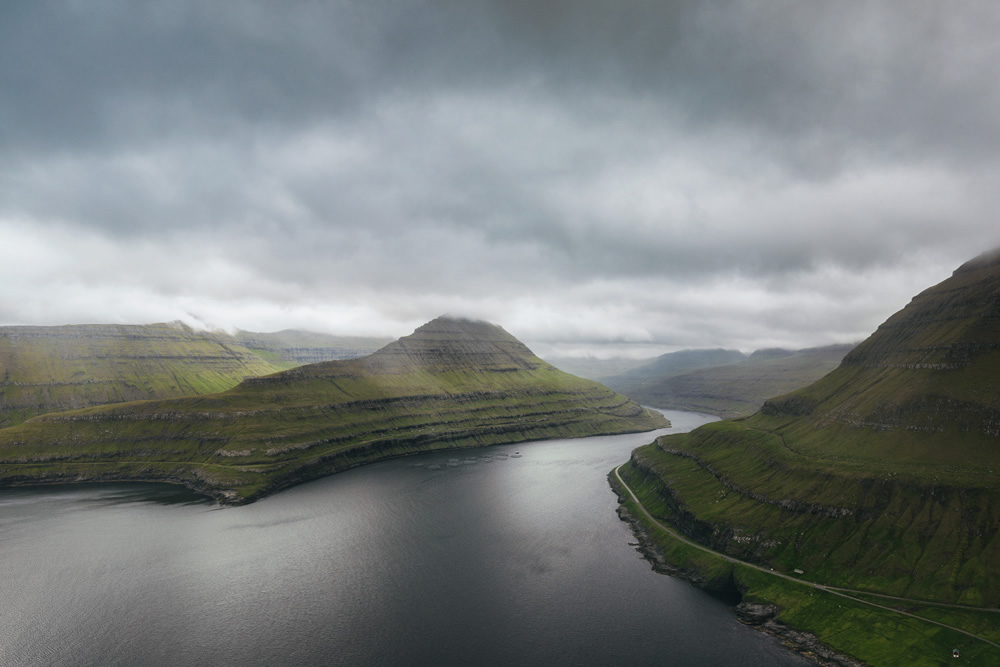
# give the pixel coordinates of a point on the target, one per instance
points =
(833, 590)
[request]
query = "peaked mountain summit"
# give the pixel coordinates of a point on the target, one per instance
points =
(452, 383)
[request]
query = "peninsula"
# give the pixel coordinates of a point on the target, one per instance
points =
(452, 383)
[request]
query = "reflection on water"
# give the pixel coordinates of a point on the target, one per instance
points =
(471, 557)
(161, 494)
(104, 493)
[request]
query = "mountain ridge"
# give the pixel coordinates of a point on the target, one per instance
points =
(881, 476)
(449, 384)
(58, 368)
(731, 389)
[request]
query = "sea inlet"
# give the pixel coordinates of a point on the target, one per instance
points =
(506, 555)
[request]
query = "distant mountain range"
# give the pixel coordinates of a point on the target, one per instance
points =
(50, 369)
(594, 368)
(452, 383)
(883, 475)
(722, 382)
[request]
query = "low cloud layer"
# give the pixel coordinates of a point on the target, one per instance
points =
(610, 178)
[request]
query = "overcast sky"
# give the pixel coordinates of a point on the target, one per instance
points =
(606, 177)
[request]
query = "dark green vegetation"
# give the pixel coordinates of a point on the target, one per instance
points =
(725, 382)
(807, 618)
(883, 476)
(51, 369)
(453, 383)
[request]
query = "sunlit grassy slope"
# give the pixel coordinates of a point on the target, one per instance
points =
(51, 369)
(453, 383)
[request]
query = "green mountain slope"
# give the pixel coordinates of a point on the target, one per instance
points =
(734, 389)
(882, 476)
(52, 369)
(452, 383)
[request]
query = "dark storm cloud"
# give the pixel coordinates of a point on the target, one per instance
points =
(77, 73)
(668, 173)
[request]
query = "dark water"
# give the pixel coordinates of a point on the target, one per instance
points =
(486, 561)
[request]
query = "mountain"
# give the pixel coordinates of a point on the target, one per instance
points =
(676, 363)
(733, 389)
(51, 369)
(882, 476)
(452, 383)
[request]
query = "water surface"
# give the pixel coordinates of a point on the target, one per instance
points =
(507, 555)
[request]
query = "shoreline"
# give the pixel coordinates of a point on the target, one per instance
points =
(228, 495)
(758, 616)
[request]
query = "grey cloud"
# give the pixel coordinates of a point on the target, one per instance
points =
(817, 80)
(665, 173)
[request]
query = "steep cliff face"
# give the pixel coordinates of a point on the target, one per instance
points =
(52, 369)
(883, 475)
(453, 383)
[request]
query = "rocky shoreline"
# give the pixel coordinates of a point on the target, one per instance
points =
(760, 616)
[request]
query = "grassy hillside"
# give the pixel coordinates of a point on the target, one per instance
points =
(735, 389)
(452, 383)
(51, 369)
(46, 369)
(883, 476)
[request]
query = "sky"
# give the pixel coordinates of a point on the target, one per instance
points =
(599, 178)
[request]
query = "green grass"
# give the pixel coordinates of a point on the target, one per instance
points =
(442, 389)
(982, 623)
(883, 476)
(54, 369)
(870, 634)
(921, 532)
